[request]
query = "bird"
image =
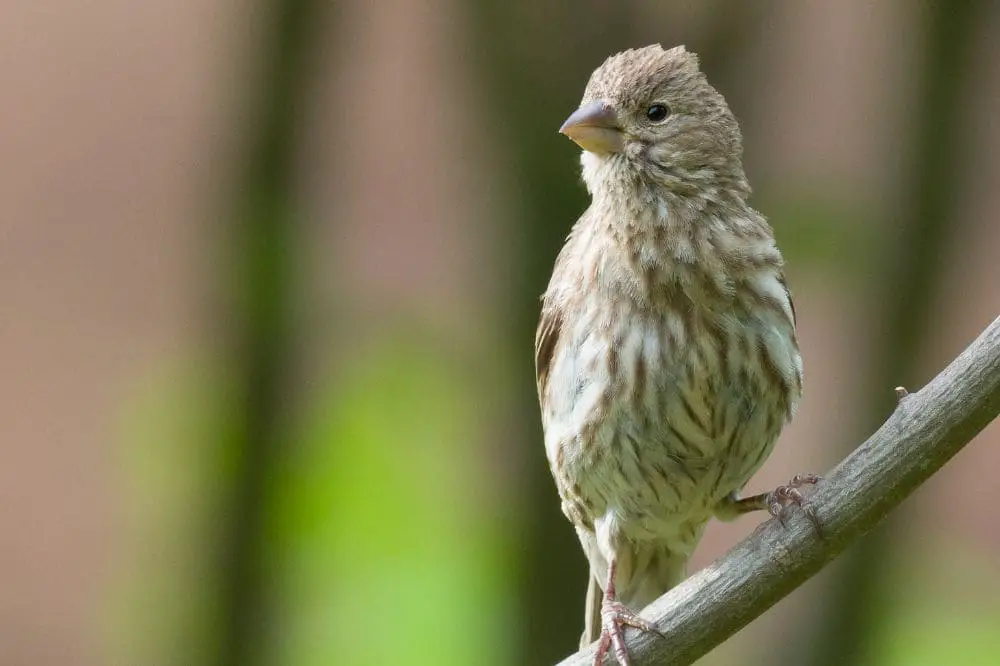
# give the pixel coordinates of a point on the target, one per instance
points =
(666, 356)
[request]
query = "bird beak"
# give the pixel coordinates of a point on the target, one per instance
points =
(594, 127)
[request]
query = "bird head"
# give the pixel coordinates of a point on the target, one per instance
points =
(651, 113)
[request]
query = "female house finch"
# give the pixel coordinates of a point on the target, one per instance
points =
(666, 357)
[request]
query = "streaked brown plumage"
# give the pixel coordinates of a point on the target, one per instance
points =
(666, 356)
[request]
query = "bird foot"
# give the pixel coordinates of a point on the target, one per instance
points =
(615, 617)
(782, 496)
(773, 502)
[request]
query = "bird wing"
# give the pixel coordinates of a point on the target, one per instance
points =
(546, 338)
(551, 322)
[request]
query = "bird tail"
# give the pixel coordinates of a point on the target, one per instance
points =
(592, 617)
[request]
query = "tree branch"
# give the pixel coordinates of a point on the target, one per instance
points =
(927, 428)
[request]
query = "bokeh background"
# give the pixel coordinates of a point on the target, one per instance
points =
(270, 274)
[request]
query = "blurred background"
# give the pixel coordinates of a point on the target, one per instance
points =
(270, 274)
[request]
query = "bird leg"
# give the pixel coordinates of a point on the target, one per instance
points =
(773, 502)
(615, 616)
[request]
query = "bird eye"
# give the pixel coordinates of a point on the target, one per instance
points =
(657, 113)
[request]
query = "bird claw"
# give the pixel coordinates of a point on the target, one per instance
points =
(773, 502)
(615, 617)
(783, 496)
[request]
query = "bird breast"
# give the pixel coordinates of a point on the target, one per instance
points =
(657, 412)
